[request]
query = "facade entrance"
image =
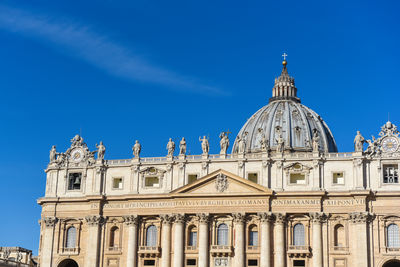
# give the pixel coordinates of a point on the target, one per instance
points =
(68, 263)
(392, 263)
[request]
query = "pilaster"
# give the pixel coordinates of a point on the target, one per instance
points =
(92, 250)
(203, 219)
(279, 230)
(132, 222)
(265, 242)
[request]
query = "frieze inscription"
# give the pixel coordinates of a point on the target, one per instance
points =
(188, 203)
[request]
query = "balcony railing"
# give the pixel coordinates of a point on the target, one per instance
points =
(70, 250)
(340, 248)
(299, 251)
(191, 247)
(150, 251)
(392, 249)
(252, 248)
(114, 249)
(221, 250)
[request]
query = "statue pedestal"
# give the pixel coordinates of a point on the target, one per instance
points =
(170, 158)
(357, 154)
(182, 157)
(135, 160)
(204, 156)
(222, 156)
(241, 156)
(264, 154)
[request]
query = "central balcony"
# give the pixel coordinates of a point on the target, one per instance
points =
(221, 251)
(299, 251)
(145, 251)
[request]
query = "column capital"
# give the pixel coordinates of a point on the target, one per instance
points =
(239, 217)
(166, 218)
(318, 217)
(94, 220)
(131, 219)
(50, 221)
(361, 217)
(203, 217)
(265, 217)
(280, 218)
(179, 218)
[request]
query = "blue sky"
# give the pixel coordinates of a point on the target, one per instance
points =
(117, 71)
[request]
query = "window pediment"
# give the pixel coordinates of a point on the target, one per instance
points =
(297, 168)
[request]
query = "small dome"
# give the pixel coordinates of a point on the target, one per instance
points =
(285, 116)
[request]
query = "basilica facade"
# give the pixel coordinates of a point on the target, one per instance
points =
(282, 196)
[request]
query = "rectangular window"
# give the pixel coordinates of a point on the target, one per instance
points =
(191, 262)
(152, 181)
(149, 262)
(297, 178)
(74, 181)
(117, 183)
(192, 178)
(299, 263)
(253, 177)
(252, 263)
(390, 174)
(338, 178)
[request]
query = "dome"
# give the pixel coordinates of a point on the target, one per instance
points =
(285, 118)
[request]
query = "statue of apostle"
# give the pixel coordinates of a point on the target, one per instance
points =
(182, 146)
(224, 142)
(315, 141)
(101, 150)
(358, 142)
(170, 147)
(205, 146)
(53, 154)
(136, 149)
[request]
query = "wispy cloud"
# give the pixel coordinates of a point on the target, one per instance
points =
(97, 49)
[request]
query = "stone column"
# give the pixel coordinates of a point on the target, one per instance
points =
(132, 222)
(239, 258)
(265, 243)
(166, 240)
(317, 255)
(179, 240)
(92, 244)
(360, 241)
(203, 240)
(46, 252)
(280, 248)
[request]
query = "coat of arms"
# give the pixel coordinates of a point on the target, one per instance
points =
(221, 183)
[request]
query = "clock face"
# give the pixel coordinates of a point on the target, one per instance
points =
(390, 144)
(76, 155)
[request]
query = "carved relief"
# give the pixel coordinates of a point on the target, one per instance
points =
(50, 221)
(318, 217)
(179, 218)
(221, 182)
(361, 217)
(280, 217)
(203, 217)
(265, 217)
(167, 218)
(239, 217)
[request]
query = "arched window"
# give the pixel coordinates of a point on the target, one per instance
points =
(114, 237)
(253, 236)
(70, 240)
(222, 234)
(339, 236)
(393, 236)
(192, 236)
(151, 236)
(298, 235)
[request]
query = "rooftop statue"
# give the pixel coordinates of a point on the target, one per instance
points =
(242, 143)
(205, 146)
(224, 142)
(77, 141)
(53, 154)
(264, 142)
(182, 146)
(315, 141)
(170, 147)
(101, 150)
(358, 142)
(136, 149)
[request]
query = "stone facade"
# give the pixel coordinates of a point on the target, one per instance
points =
(267, 208)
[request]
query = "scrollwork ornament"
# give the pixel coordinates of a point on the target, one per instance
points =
(94, 220)
(49, 221)
(239, 217)
(167, 218)
(361, 217)
(131, 219)
(318, 217)
(265, 217)
(280, 218)
(179, 218)
(203, 217)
